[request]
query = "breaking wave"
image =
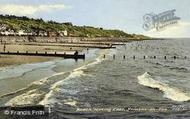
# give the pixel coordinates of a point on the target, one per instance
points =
(49, 97)
(172, 93)
(33, 95)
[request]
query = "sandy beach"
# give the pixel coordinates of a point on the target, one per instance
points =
(8, 60)
(68, 47)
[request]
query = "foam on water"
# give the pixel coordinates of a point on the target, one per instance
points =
(56, 87)
(27, 98)
(169, 92)
(33, 96)
(71, 102)
(42, 81)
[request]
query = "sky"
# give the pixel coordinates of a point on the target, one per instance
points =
(126, 15)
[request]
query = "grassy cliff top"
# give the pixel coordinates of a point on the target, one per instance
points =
(32, 25)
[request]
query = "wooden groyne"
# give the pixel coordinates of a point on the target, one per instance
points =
(72, 45)
(145, 57)
(55, 54)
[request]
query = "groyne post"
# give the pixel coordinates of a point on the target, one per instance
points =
(113, 56)
(4, 47)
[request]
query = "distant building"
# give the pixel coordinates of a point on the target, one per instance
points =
(87, 35)
(72, 35)
(22, 33)
(52, 34)
(42, 33)
(65, 33)
(8, 32)
(30, 34)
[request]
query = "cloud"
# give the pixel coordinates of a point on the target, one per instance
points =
(16, 9)
(179, 30)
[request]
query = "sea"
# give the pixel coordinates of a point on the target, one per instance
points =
(147, 79)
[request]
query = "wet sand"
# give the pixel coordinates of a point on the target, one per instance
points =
(7, 60)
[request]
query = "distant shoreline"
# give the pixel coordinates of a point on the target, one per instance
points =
(51, 44)
(43, 39)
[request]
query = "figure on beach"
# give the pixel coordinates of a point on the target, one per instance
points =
(76, 53)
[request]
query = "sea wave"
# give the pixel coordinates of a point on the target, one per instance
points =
(56, 88)
(172, 93)
(34, 94)
(49, 97)
(30, 97)
(178, 68)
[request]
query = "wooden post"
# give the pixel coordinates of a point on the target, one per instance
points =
(113, 56)
(4, 47)
(154, 57)
(45, 52)
(17, 52)
(55, 52)
(144, 57)
(175, 57)
(123, 56)
(36, 52)
(84, 56)
(165, 57)
(26, 52)
(104, 56)
(134, 57)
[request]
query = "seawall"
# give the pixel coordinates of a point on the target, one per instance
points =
(22, 39)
